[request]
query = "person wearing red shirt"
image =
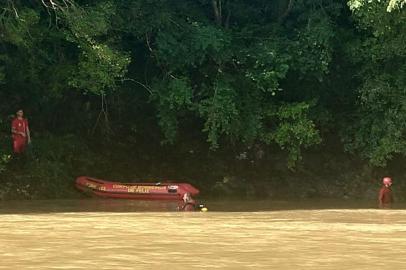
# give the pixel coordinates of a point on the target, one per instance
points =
(385, 193)
(20, 132)
(188, 204)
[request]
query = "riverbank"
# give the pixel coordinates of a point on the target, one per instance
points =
(50, 167)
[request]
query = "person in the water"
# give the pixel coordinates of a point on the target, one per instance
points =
(385, 193)
(189, 204)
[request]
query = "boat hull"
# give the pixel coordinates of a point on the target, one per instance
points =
(135, 191)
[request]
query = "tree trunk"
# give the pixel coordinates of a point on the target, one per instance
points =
(217, 11)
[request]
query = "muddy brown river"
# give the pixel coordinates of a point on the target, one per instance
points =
(112, 234)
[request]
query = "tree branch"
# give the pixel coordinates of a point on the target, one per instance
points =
(137, 82)
(227, 24)
(282, 18)
(148, 44)
(14, 9)
(57, 5)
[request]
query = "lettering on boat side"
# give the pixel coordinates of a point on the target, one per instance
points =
(95, 186)
(138, 189)
(120, 186)
(144, 189)
(91, 185)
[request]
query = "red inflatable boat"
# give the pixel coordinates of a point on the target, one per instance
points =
(136, 191)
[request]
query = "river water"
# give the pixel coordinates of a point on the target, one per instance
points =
(114, 234)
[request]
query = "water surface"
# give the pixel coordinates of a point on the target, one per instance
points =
(113, 234)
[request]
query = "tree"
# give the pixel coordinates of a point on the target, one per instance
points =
(391, 4)
(379, 128)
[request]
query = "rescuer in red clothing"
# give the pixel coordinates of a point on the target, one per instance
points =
(188, 203)
(385, 193)
(20, 132)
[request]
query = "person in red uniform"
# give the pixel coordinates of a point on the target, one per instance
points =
(188, 203)
(20, 132)
(385, 193)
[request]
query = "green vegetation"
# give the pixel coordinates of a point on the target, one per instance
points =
(230, 94)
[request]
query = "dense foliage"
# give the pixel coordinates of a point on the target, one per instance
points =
(280, 76)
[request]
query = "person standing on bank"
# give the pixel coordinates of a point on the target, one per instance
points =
(20, 133)
(385, 193)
